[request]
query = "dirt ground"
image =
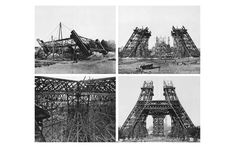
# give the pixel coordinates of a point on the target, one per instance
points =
(100, 66)
(176, 66)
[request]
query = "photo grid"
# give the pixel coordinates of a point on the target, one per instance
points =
(104, 76)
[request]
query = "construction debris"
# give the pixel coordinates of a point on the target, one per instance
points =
(146, 66)
(143, 67)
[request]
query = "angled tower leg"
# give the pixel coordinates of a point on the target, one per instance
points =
(140, 129)
(137, 45)
(184, 43)
(177, 109)
(176, 129)
(136, 114)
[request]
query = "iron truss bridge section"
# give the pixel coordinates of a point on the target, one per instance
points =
(135, 124)
(73, 111)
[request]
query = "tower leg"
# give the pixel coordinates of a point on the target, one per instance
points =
(176, 130)
(140, 130)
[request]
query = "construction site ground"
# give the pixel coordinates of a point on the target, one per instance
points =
(151, 138)
(156, 139)
(94, 65)
(160, 66)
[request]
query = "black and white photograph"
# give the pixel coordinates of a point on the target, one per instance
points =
(75, 40)
(159, 109)
(117, 73)
(75, 109)
(159, 40)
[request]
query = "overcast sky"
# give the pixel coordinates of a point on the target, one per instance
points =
(88, 21)
(160, 20)
(187, 90)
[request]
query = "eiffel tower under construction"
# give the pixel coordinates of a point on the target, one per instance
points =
(135, 124)
(137, 45)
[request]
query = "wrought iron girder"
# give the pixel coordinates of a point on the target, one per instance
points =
(56, 85)
(73, 104)
(51, 93)
(106, 85)
(60, 43)
(157, 104)
(66, 42)
(46, 84)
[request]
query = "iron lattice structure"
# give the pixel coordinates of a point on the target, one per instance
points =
(184, 43)
(76, 45)
(78, 110)
(137, 45)
(135, 124)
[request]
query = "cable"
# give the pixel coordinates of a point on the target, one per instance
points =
(52, 31)
(67, 27)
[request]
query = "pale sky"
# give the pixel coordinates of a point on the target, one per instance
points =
(88, 21)
(187, 90)
(160, 20)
